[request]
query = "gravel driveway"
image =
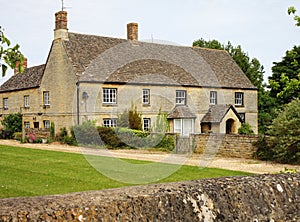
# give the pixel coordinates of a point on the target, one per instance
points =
(247, 165)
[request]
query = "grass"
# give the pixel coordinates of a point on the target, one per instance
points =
(30, 172)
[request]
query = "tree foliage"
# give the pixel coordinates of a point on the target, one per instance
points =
(285, 80)
(251, 67)
(10, 56)
(13, 122)
(285, 134)
(130, 119)
(292, 10)
(245, 129)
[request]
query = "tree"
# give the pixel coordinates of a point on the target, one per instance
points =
(130, 119)
(254, 71)
(292, 10)
(285, 134)
(10, 56)
(13, 123)
(285, 80)
(251, 67)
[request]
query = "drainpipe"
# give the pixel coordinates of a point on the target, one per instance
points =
(78, 108)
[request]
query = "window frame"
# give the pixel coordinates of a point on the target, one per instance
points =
(48, 125)
(146, 126)
(213, 98)
(27, 125)
(179, 98)
(146, 96)
(46, 98)
(26, 102)
(5, 103)
(112, 122)
(239, 101)
(243, 117)
(109, 96)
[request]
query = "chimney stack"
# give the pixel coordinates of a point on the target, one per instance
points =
(16, 70)
(132, 31)
(61, 25)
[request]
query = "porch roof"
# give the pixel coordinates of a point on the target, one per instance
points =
(216, 113)
(181, 112)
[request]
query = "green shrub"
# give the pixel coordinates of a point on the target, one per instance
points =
(264, 151)
(12, 124)
(167, 143)
(109, 138)
(18, 136)
(87, 134)
(52, 131)
(245, 129)
(284, 134)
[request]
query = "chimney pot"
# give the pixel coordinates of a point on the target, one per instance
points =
(61, 21)
(132, 31)
(61, 25)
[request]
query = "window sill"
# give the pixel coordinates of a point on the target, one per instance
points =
(46, 106)
(146, 105)
(109, 104)
(239, 106)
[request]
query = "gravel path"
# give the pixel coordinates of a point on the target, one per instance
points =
(247, 165)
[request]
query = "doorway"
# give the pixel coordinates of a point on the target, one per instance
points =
(229, 126)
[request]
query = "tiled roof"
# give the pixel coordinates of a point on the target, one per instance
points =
(31, 78)
(216, 113)
(181, 112)
(104, 59)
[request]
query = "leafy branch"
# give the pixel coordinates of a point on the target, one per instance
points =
(9, 56)
(292, 10)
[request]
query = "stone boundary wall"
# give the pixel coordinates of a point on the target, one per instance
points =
(224, 145)
(250, 198)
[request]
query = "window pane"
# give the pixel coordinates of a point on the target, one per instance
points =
(213, 98)
(46, 99)
(109, 96)
(239, 98)
(177, 126)
(180, 97)
(26, 101)
(147, 124)
(146, 96)
(5, 103)
(110, 122)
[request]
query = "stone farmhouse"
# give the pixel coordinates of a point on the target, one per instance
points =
(88, 77)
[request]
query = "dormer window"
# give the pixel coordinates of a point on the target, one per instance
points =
(180, 97)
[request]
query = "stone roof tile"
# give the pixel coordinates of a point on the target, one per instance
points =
(31, 78)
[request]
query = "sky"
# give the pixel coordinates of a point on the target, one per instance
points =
(262, 27)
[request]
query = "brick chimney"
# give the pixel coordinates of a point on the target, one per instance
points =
(132, 31)
(61, 25)
(16, 70)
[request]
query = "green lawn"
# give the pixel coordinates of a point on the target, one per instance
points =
(29, 172)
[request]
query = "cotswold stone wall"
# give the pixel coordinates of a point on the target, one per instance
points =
(224, 145)
(257, 198)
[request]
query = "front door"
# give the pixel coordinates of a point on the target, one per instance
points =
(229, 126)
